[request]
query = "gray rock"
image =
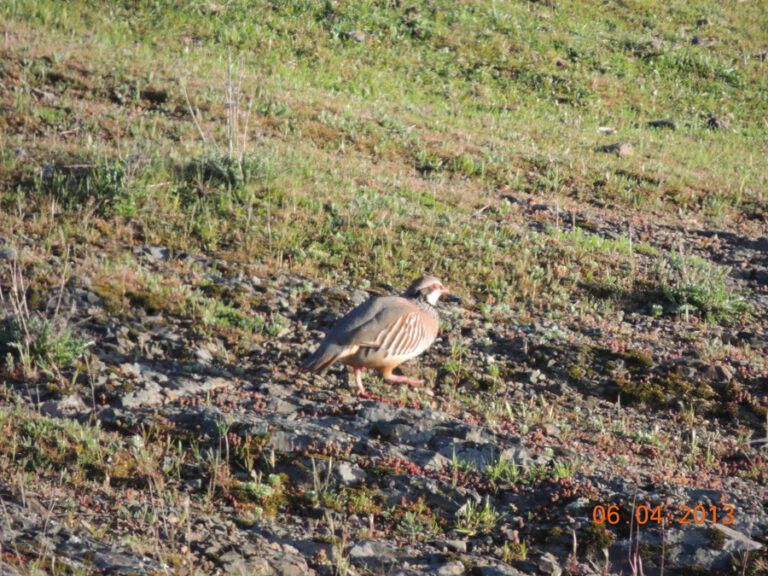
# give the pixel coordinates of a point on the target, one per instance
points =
(549, 565)
(151, 395)
(291, 566)
(459, 546)
(621, 149)
(429, 460)
(736, 541)
(374, 554)
(725, 373)
(153, 252)
(235, 565)
(202, 354)
(115, 561)
(497, 570)
(9, 254)
(349, 473)
(68, 406)
(454, 568)
(685, 549)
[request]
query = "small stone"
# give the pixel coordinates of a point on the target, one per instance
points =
(621, 149)
(155, 252)
(724, 373)
(578, 504)
(291, 566)
(236, 565)
(374, 554)
(9, 254)
(549, 565)
(195, 483)
(203, 355)
(454, 568)
(349, 474)
(510, 534)
(358, 36)
(71, 405)
(459, 546)
(130, 370)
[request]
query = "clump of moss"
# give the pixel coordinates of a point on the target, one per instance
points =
(111, 295)
(637, 361)
(144, 299)
(34, 298)
(670, 385)
(676, 384)
(647, 551)
(594, 538)
(152, 303)
(586, 225)
(648, 393)
(729, 410)
(574, 372)
(716, 539)
(761, 412)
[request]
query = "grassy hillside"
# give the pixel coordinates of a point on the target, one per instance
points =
(412, 121)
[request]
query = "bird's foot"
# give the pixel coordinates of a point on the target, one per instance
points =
(404, 380)
(359, 381)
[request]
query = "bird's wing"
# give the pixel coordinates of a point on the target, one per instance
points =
(368, 324)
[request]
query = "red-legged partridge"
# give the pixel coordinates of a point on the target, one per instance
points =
(383, 332)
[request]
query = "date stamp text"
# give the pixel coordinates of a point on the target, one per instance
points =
(643, 514)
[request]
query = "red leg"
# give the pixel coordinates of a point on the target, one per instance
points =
(404, 380)
(359, 381)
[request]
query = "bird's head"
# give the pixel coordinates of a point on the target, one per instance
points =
(427, 287)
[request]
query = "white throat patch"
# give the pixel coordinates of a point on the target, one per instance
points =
(433, 297)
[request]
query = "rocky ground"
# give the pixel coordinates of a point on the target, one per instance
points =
(210, 453)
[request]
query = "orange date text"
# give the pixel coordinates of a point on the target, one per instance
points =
(644, 514)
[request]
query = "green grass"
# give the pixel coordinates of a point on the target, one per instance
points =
(407, 133)
(692, 284)
(474, 519)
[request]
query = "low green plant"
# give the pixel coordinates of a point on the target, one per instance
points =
(473, 519)
(98, 186)
(39, 347)
(504, 472)
(562, 469)
(513, 551)
(689, 284)
(417, 522)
